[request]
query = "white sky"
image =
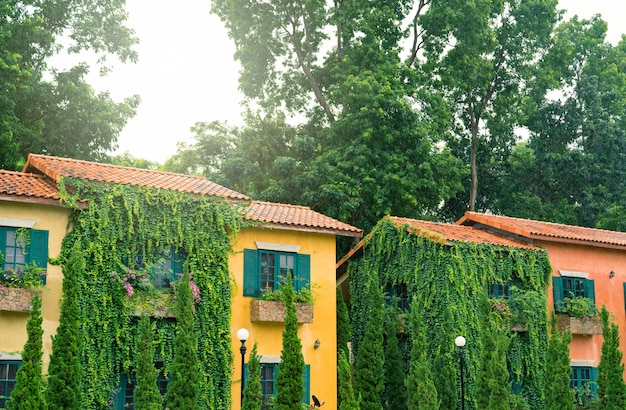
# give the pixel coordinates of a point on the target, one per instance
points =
(186, 71)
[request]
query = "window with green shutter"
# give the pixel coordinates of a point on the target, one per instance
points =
(583, 380)
(267, 270)
(564, 287)
(21, 247)
(499, 291)
(269, 374)
(125, 394)
(167, 268)
(8, 372)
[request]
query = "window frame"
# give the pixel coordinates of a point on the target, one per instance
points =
(129, 380)
(5, 383)
(558, 289)
(306, 381)
(36, 251)
(577, 382)
(252, 270)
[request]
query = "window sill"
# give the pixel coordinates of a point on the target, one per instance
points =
(272, 311)
(16, 299)
(579, 326)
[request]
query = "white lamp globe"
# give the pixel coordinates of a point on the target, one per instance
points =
(459, 341)
(243, 334)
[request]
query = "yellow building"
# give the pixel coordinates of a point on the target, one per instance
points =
(277, 238)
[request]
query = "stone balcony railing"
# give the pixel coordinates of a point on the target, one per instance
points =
(274, 311)
(580, 326)
(16, 299)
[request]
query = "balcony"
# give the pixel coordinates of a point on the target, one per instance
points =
(16, 299)
(586, 326)
(274, 311)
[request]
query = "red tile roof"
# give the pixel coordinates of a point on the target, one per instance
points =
(299, 217)
(55, 167)
(294, 217)
(443, 232)
(24, 187)
(547, 231)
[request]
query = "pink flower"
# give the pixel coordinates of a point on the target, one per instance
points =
(129, 289)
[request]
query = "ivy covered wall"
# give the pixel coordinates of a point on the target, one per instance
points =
(122, 224)
(450, 282)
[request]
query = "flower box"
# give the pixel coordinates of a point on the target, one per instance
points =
(16, 299)
(580, 326)
(274, 311)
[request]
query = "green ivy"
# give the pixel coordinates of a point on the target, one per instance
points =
(122, 222)
(449, 281)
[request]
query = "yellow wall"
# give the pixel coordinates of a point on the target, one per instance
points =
(323, 361)
(13, 325)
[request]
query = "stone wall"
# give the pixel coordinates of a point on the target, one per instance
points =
(16, 299)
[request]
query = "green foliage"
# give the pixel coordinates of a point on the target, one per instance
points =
(147, 395)
(346, 391)
(611, 386)
(121, 223)
(343, 324)
(368, 371)
(30, 278)
(394, 393)
(184, 387)
(65, 373)
(579, 307)
(252, 396)
(28, 393)
(303, 295)
(289, 390)
(419, 382)
(449, 281)
(558, 394)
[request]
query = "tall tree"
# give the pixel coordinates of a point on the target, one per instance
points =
(183, 390)
(289, 384)
(56, 112)
(419, 382)
(493, 386)
(611, 386)
(252, 397)
(558, 395)
(394, 393)
(369, 367)
(346, 390)
(343, 324)
(147, 395)
(64, 389)
(28, 392)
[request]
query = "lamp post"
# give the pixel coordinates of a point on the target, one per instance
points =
(242, 335)
(460, 343)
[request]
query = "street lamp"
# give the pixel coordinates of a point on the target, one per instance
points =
(460, 343)
(242, 335)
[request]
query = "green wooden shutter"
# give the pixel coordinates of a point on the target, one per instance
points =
(594, 380)
(251, 277)
(177, 265)
(557, 291)
(246, 374)
(303, 276)
(275, 367)
(590, 292)
(306, 383)
(3, 245)
(624, 295)
(38, 251)
(119, 399)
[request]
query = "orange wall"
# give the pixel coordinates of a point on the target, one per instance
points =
(322, 361)
(598, 262)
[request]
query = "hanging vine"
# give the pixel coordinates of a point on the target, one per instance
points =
(449, 282)
(121, 224)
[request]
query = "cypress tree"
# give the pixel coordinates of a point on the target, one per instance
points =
(289, 389)
(252, 397)
(611, 387)
(343, 324)
(28, 391)
(147, 395)
(395, 394)
(64, 390)
(368, 372)
(184, 387)
(346, 391)
(419, 382)
(558, 395)
(493, 385)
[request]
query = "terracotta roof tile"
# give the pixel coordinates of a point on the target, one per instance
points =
(298, 217)
(56, 167)
(25, 185)
(442, 232)
(546, 230)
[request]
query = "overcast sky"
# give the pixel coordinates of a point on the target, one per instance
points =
(186, 72)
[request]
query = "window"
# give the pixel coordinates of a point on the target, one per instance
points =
(583, 380)
(398, 295)
(125, 398)
(21, 247)
(269, 375)
(8, 371)
(499, 291)
(266, 269)
(565, 287)
(165, 270)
